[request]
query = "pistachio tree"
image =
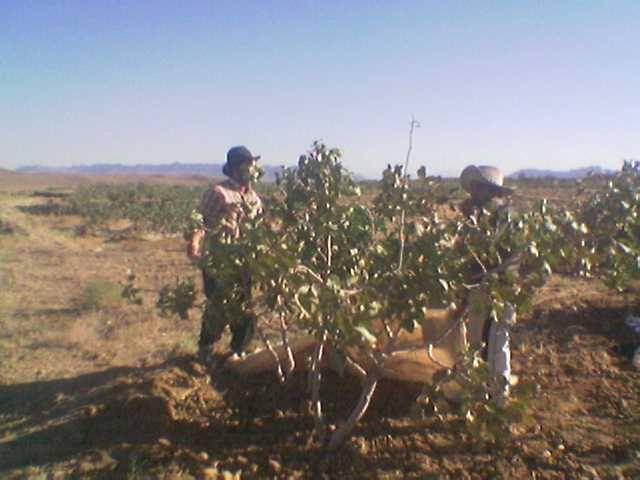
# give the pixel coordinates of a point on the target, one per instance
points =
(355, 274)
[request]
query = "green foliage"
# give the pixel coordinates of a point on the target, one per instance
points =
(352, 275)
(6, 228)
(158, 208)
(130, 292)
(99, 294)
(489, 423)
(50, 207)
(177, 300)
(612, 218)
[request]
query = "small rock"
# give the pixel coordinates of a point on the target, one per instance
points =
(85, 468)
(198, 368)
(253, 468)
(591, 471)
(91, 411)
(274, 466)
(227, 475)
(210, 473)
(241, 460)
(165, 442)
(198, 457)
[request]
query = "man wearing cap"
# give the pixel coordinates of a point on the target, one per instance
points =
(485, 186)
(223, 208)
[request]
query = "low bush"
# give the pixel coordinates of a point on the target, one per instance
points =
(6, 228)
(100, 294)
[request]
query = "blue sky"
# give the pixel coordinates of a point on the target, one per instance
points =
(514, 84)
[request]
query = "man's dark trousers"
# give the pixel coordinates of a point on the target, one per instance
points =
(213, 323)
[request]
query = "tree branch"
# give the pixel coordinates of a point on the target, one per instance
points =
(361, 407)
(315, 379)
(414, 124)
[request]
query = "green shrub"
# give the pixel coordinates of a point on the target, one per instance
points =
(100, 294)
(6, 228)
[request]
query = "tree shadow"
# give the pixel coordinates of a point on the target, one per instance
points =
(23, 314)
(118, 411)
(562, 324)
(48, 420)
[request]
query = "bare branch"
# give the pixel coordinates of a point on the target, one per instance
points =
(387, 329)
(304, 268)
(361, 407)
(356, 366)
(315, 378)
(284, 330)
(274, 354)
(300, 307)
(432, 358)
(414, 124)
(476, 258)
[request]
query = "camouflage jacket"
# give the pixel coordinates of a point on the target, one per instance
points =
(225, 206)
(497, 205)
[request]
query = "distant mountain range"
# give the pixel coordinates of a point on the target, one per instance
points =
(215, 170)
(164, 169)
(563, 175)
(168, 169)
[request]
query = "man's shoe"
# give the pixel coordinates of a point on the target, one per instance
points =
(236, 357)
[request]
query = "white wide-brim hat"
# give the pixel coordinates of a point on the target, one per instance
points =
(484, 175)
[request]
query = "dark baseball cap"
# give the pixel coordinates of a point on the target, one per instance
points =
(237, 156)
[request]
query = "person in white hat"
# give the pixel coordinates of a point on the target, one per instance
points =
(484, 184)
(486, 189)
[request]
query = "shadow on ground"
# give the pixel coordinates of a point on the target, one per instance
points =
(113, 418)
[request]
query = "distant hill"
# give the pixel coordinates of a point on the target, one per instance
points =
(561, 174)
(117, 169)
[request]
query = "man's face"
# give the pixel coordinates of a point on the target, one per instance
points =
(245, 173)
(482, 193)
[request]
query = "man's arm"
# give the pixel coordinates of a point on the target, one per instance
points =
(210, 208)
(195, 243)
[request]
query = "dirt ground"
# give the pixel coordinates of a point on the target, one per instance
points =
(115, 391)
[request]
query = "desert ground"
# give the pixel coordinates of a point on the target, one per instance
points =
(94, 387)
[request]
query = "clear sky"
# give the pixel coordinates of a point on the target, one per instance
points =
(542, 84)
